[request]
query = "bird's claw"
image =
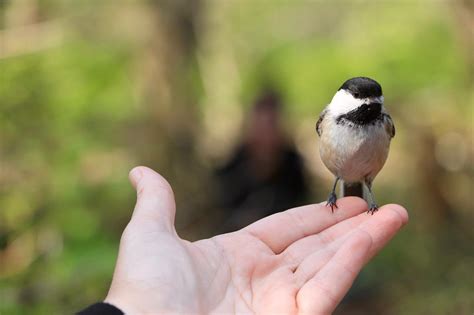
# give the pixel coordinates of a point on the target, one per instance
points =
(372, 209)
(332, 201)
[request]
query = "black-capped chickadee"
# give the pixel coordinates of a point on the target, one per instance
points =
(355, 132)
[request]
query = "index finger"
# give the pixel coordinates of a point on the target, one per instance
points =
(280, 230)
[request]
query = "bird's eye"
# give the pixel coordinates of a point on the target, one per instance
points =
(356, 94)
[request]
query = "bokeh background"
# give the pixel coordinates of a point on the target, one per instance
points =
(89, 89)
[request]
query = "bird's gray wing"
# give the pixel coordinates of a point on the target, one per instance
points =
(389, 126)
(318, 123)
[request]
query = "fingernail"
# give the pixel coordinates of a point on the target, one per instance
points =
(135, 175)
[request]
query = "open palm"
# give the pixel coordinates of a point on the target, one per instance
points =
(302, 260)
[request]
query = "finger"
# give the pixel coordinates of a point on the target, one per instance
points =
(329, 284)
(280, 230)
(294, 254)
(155, 199)
(322, 293)
(381, 228)
(312, 263)
(384, 225)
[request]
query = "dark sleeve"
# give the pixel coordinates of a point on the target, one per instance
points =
(101, 309)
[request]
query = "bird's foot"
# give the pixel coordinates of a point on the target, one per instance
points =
(373, 208)
(332, 201)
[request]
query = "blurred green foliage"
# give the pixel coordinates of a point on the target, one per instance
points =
(90, 89)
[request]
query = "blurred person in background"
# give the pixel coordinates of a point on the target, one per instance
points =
(265, 175)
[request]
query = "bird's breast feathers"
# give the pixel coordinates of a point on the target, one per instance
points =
(354, 152)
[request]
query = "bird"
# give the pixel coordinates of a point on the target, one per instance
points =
(355, 132)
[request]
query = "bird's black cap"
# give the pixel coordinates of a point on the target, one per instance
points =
(362, 87)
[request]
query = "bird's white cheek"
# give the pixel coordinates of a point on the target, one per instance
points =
(343, 102)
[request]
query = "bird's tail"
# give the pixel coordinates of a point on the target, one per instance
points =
(353, 189)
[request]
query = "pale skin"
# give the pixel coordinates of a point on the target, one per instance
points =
(300, 261)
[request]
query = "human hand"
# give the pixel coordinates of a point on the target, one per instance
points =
(302, 260)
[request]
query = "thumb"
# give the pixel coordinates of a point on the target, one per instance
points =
(155, 199)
